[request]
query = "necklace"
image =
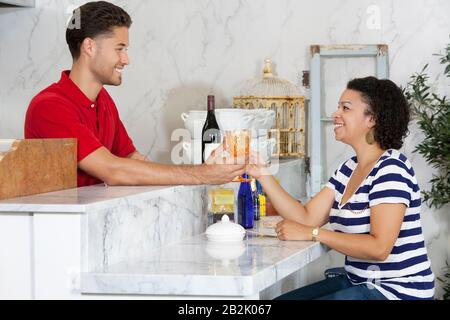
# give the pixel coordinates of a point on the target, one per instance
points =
(356, 212)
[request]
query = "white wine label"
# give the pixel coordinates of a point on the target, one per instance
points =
(209, 148)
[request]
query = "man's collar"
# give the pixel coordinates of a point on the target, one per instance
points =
(74, 92)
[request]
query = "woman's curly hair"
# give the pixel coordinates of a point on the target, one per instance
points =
(389, 107)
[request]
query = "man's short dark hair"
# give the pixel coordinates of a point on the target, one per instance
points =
(94, 19)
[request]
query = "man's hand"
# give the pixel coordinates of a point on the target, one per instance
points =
(220, 173)
(220, 168)
(115, 171)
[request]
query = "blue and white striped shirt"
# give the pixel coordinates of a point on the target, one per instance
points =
(406, 273)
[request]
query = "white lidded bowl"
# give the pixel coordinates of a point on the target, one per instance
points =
(225, 231)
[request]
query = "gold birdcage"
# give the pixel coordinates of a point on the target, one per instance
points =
(270, 92)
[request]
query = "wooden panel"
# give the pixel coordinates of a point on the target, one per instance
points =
(38, 166)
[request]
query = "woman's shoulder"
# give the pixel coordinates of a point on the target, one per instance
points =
(393, 159)
(347, 166)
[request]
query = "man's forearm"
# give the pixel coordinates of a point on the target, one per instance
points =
(150, 173)
(115, 171)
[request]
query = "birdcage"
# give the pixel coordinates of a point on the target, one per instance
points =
(270, 92)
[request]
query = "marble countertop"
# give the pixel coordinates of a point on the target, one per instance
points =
(86, 198)
(198, 267)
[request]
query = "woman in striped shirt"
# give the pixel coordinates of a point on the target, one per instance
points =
(372, 203)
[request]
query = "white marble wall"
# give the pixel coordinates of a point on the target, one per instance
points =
(183, 50)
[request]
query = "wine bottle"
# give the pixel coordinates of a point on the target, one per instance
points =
(211, 136)
(245, 204)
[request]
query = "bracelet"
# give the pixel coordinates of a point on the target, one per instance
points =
(315, 234)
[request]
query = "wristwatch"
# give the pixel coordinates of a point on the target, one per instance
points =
(315, 234)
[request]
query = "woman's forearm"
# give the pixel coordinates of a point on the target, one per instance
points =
(284, 204)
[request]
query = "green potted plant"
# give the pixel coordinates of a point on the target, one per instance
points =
(433, 117)
(446, 282)
(432, 113)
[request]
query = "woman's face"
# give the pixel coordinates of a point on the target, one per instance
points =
(351, 123)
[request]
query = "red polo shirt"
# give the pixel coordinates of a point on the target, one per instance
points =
(63, 111)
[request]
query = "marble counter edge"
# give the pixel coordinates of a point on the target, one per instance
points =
(199, 285)
(166, 284)
(60, 201)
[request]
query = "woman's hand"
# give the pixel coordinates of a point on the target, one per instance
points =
(291, 230)
(257, 167)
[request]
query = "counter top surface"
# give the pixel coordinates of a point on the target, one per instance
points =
(196, 266)
(82, 199)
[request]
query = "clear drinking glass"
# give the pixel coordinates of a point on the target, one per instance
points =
(237, 144)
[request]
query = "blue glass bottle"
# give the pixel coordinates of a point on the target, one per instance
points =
(245, 204)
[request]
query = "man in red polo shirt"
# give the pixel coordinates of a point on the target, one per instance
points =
(78, 106)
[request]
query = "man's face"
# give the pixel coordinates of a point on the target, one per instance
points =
(111, 56)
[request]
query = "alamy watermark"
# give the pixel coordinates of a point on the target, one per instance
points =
(374, 277)
(74, 20)
(373, 21)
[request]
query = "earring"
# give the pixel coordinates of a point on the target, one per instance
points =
(370, 138)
